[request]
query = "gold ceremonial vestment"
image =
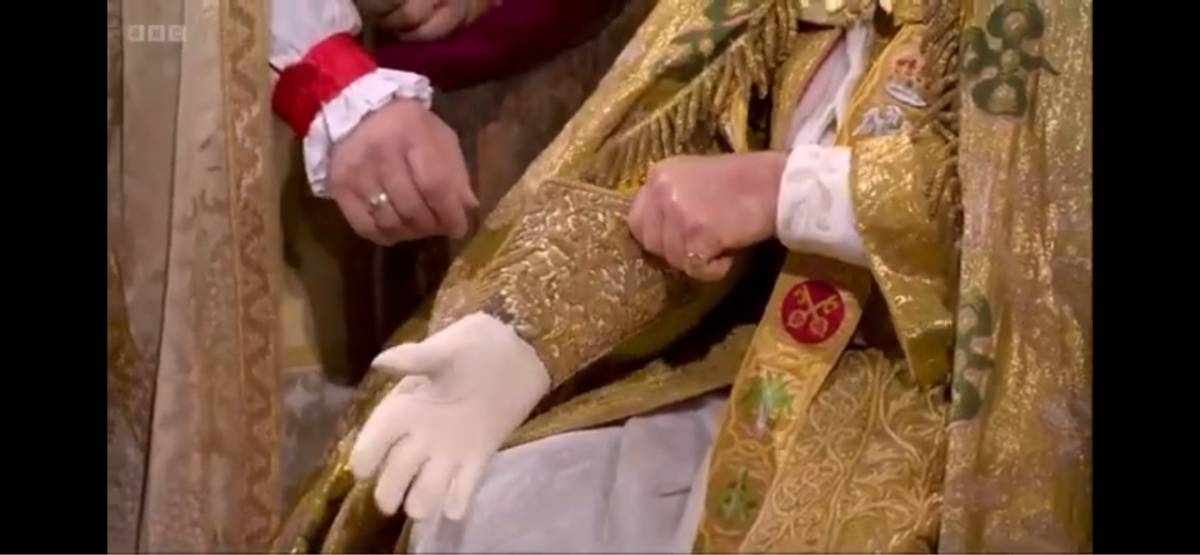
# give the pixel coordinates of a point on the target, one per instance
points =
(938, 400)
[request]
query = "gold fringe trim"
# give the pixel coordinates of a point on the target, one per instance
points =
(939, 48)
(687, 122)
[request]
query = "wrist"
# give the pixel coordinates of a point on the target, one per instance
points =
(769, 168)
(327, 69)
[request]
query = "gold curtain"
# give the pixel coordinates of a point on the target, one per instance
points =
(193, 275)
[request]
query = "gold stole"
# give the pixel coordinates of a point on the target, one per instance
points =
(813, 312)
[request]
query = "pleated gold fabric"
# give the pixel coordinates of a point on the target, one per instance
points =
(194, 268)
(1019, 467)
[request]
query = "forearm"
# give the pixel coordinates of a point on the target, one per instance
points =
(571, 280)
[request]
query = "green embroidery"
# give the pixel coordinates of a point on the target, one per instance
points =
(967, 399)
(1013, 23)
(708, 42)
(766, 400)
(736, 502)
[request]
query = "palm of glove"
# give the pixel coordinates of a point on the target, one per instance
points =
(466, 389)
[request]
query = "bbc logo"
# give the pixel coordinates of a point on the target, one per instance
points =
(156, 33)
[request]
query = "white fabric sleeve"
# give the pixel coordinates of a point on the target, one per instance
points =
(815, 212)
(298, 25)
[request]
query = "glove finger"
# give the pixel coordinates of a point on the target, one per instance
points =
(462, 489)
(387, 423)
(429, 491)
(403, 461)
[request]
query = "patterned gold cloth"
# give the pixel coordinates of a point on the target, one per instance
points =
(864, 414)
(193, 274)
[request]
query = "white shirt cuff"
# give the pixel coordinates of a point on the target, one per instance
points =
(340, 115)
(815, 212)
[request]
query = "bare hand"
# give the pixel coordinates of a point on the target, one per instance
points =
(426, 19)
(408, 155)
(694, 211)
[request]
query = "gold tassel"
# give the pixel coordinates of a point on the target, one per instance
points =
(685, 123)
(939, 48)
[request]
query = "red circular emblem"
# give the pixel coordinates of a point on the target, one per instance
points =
(812, 312)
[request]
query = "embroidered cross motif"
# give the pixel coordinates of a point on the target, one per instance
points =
(812, 312)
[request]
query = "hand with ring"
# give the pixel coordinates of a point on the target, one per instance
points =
(696, 211)
(400, 175)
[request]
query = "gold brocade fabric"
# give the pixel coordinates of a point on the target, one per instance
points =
(826, 447)
(193, 276)
(1019, 467)
(755, 503)
(571, 279)
(793, 77)
(892, 171)
(862, 472)
(809, 320)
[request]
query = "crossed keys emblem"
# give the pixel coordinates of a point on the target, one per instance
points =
(812, 311)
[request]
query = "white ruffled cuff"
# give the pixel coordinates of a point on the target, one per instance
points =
(815, 212)
(340, 115)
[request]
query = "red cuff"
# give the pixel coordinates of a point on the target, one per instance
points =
(327, 69)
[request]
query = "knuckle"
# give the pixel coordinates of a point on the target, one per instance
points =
(433, 189)
(374, 151)
(672, 201)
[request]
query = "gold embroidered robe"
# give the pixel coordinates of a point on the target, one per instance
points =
(849, 428)
(193, 278)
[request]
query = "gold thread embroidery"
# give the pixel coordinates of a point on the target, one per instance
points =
(863, 473)
(572, 280)
(246, 86)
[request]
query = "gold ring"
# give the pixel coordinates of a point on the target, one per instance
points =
(376, 201)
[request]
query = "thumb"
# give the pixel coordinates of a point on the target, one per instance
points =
(424, 358)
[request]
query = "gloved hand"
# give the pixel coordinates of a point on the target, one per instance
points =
(466, 388)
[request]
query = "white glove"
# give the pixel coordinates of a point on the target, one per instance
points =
(467, 388)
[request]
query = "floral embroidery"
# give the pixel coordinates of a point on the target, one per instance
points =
(1002, 91)
(975, 321)
(882, 120)
(736, 502)
(766, 400)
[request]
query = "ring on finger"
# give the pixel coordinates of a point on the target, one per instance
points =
(376, 201)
